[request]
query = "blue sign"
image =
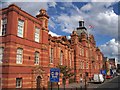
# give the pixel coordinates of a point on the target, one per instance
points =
(54, 74)
(103, 72)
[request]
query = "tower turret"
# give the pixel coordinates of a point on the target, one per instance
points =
(43, 16)
(81, 28)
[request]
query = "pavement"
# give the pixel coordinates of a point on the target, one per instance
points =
(75, 85)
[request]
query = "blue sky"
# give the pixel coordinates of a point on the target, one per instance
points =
(64, 17)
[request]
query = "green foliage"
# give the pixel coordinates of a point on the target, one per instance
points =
(66, 71)
(71, 80)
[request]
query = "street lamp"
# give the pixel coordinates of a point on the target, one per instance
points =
(58, 85)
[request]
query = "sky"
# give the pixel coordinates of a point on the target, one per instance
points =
(65, 15)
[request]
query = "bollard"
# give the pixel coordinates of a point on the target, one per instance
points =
(81, 88)
(76, 88)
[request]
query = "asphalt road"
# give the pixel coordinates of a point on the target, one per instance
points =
(109, 84)
(112, 84)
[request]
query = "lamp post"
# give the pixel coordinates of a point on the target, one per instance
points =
(58, 85)
(64, 82)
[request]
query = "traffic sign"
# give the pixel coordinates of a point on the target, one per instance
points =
(54, 74)
(103, 72)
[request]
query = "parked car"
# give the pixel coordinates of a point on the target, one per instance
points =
(108, 76)
(117, 74)
(98, 78)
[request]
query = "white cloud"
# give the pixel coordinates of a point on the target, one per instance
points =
(53, 34)
(51, 23)
(52, 4)
(68, 23)
(68, 37)
(104, 20)
(104, 0)
(107, 23)
(86, 7)
(110, 48)
(26, 6)
(29, 0)
(63, 8)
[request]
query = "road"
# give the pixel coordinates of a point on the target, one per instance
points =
(109, 84)
(112, 84)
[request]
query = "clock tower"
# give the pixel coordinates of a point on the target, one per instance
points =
(81, 29)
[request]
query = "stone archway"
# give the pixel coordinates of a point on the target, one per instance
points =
(38, 82)
(37, 77)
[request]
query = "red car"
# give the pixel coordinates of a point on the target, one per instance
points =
(108, 76)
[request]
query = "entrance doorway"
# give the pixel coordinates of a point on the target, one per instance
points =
(38, 82)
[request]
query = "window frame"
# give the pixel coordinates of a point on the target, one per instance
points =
(37, 35)
(3, 27)
(51, 55)
(19, 56)
(36, 58)
(18, 82)
(1, 54)
(20, 29)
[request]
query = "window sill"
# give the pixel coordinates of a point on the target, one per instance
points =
(51, 63)
(18, 63)
(36, 64)
(19, 87)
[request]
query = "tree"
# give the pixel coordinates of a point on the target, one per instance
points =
(66, 71)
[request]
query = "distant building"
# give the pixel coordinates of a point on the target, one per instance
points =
(113, 63)
(118, 67)
(27, 51)
(110, 65)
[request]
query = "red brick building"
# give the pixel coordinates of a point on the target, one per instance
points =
(27, 51)
(88, 58)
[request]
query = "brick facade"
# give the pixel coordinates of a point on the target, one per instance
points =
(79, 52)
